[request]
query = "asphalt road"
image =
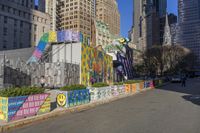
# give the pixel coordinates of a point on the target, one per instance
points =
(172, 109)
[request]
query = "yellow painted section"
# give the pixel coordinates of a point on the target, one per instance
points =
(46, 106)
(127, 88)
(95, 64)
(3, 108)
(134, 88)
(142, 85)
(52, 36)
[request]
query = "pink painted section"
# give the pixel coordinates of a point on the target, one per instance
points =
(151, 84)
(31, 106)
(37, 53)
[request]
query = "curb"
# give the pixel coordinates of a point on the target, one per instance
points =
(60, 111)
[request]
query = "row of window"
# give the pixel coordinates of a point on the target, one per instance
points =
(23, 14)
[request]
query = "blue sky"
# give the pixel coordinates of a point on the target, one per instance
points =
(126, 10)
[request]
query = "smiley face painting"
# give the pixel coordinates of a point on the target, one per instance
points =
(61, 100)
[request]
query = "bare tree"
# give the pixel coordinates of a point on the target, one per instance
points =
(167, 59)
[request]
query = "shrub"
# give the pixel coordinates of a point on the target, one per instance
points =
(118, 83)
(23, 91)
(132, 81)
(100, 85)
(73, 87)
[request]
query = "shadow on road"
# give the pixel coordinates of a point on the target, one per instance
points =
(195, 99)
(192, 90)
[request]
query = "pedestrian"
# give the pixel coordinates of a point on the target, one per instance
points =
(42, 81)
(183, 81)
(92, 80)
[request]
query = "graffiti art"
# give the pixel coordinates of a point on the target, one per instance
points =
(54, 37)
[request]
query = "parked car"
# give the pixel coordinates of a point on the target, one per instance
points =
(176, 79)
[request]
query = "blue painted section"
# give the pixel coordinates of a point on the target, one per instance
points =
(77, 97)
(41, 46)
(14, 104)
(147, 84)
(61, 36)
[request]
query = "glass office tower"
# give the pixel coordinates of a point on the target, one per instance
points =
(189, 22)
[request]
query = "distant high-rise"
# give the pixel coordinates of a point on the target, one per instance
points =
(189, 22)
(50, 8)
(21, 26)
(76, 15)
(107, 12)
(137, 23)
(161, 7)
(25, 3)
(42, 5)
(146, 23)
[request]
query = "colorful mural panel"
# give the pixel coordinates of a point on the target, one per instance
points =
(95, 65)
(14, 108)
(73, 98)
(106, 92)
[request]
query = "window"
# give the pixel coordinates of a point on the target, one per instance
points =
(35, 27)
(34, 37)
(15, 33)
(14, 45)
(21, 45)
(43, 29)
(15, 22)
(5, 30)
(5, 19)
(21, 24)
(4, 44)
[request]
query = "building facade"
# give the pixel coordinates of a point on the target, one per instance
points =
(21, 25)
(50, 8)
(161, 7)
(107, 12)
(137, 23)
(103, 35)
(189, 22)
(76, 15)
(174, 28)
(146, 25)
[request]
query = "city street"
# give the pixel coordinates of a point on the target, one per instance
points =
(171, 109)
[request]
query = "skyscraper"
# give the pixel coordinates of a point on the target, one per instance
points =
(76, 15)
(146, 25)
(161, 7)
(50, 8)
(189, 22)
(107, 12)
(21, 26)
(137, 23)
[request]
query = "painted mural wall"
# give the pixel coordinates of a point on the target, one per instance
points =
(14, 108)
(123, 56)
(95, 65)
(54, 37)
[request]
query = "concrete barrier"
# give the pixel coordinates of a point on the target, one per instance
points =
(72, 98)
